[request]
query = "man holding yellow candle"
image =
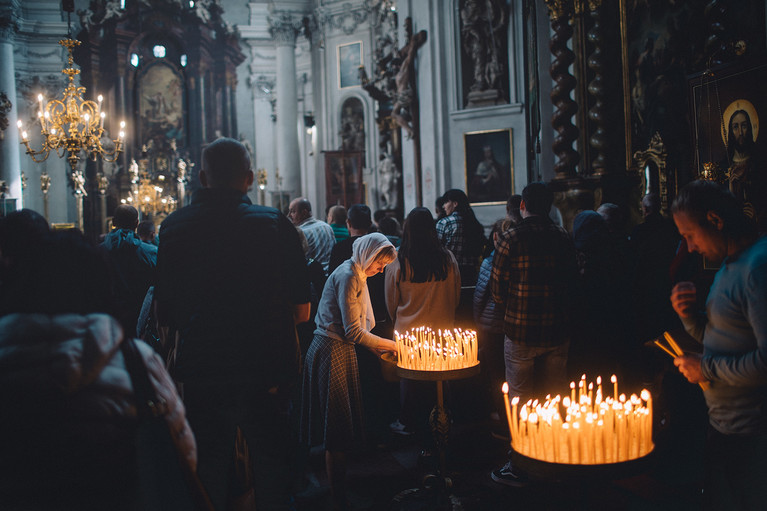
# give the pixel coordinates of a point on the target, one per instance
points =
(733, 331)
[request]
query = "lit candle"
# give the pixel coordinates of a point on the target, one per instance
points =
(514, 418)
(599, 390)
(614, 380)
(645, 394)
(505, 389)
(572, 393)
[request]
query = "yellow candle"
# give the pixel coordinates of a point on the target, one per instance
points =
(505, 389)
(572, 392)
(614, 380)
(514, 419)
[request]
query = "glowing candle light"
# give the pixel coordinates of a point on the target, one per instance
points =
(572, 392)
(505, 389)
(604, 431)
(514, 418)
(420, 349)
(614, 381)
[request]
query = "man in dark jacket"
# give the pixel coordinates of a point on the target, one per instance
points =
(133, 264)
(232, 281)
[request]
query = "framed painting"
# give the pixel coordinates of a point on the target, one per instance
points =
(161, 104)
(727, 105)
(349, 62)
(660, 44)
(343, 177)
(489, 166)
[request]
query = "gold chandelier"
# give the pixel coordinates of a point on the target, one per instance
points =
(72, 125)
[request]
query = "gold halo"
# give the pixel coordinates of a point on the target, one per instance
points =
(748, 107)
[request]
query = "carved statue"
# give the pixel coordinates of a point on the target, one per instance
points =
(483, 26)
(352, 131)
(403, 97)
(45, 182)
(244, 141)
(78, 183)
(388, 178)
(133, 171)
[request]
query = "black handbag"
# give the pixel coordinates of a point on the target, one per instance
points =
(164, 483)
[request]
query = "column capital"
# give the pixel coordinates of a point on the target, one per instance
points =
(284, 28)
(9, 26)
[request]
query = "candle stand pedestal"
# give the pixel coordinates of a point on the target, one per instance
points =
(547, 471)
(436, 487)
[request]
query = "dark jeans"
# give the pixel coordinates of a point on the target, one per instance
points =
(535, 368)
(736, 472)
(214, 411)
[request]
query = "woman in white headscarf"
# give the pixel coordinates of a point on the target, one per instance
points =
(332, 402)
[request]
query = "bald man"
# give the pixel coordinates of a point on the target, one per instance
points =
(232, 280)
(319, 235)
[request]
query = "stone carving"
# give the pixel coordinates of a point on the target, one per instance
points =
(483, 29)
(352, 131)
(388, 179)
(78, 183)
(284, 27)
(5, 107)
(346, 19)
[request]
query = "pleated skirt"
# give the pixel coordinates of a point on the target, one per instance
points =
(331, 413)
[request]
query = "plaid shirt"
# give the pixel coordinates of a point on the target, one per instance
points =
(534, 276)
(453, 237)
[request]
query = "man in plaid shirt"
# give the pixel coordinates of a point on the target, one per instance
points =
(533, 279)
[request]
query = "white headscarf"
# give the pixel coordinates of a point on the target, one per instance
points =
(364, 252)
(365, 249)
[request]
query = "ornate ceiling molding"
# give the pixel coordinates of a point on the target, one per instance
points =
(345, 18)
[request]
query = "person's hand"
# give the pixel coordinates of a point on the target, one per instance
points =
(385, 346)
(684, 299)
(689, 366)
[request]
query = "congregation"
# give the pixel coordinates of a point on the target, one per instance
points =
(262, 332)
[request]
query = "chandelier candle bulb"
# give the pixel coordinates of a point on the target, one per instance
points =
(584, 432)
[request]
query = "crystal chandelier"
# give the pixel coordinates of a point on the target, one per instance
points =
(72, 125)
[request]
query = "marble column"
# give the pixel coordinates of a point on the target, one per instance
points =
(284, 32)
(10, 161)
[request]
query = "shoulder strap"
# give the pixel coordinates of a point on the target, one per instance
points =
(146, 397)
(164, 482)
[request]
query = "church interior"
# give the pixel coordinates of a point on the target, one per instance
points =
(390, 103)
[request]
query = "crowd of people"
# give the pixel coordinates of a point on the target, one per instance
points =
(265, 330)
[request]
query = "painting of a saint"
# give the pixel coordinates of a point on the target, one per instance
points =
(728, 107)
(161, 104)
(489, 174)
(349, 62)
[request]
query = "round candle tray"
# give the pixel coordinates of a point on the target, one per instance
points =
(539, 469)
(415, 374)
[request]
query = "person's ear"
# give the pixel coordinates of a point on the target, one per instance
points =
(250, 178)
(715, 220)
(522, 206)
(203, 179)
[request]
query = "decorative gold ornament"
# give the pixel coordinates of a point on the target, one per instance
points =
(72, 124)
(261, 179)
